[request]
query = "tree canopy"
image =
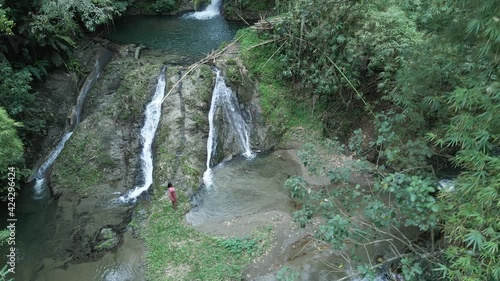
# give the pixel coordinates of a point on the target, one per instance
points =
(426, 74)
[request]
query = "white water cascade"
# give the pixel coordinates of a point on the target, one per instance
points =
(210, 11)
(223, 96)
(40, 176)
(74, 121)
(148, 131)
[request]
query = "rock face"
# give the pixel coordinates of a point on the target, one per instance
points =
(182, 134)
(100, 161)
(56, 95)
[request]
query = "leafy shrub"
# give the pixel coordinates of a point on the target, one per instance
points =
(165, 5)
(286, 274)
(241, 246)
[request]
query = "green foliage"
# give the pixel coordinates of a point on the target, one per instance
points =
(247, 246)
(264, 64)
(4, 234)
(457, 98)
(75, 66)
(3, 274)
(165, 5)
(15, 90)
(240, 246)
(335, 231)
(411, 271)
(428, 74)
(5, 24)
(414, 200)
(11, 151)
(287, 274)
(430, 69)
(364, 38)
(296, 187)
(354, 216)
(249, 5)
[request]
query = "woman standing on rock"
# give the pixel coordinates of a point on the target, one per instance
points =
(172, 195)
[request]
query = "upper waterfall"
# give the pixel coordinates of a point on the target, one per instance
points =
(210, 11)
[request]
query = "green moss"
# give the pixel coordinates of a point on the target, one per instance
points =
(83, 163)
(78, 167)
(190, 171)
(135, 90)
(107, 244)
(204, 91)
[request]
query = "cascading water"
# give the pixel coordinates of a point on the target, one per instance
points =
(223, 96)
(104, 58)
(148, 131)
(210, 11)
(40, 176)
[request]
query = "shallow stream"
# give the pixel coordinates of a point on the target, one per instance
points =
(244, 186)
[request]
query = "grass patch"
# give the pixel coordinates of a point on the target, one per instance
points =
(176, 251)
(281, 105)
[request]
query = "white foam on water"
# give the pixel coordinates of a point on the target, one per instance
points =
(223, 96)
(211, 11)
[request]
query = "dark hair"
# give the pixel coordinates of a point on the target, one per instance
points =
(170, 184)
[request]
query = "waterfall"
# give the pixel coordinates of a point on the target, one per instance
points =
(212, 137)
(210, 11)
(40, 174)
(74, 117)
(148, 131)
(223, 96)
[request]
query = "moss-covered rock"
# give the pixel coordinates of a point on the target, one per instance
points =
(106, 240)
(181, 136)
(200, 5)
(102, 150)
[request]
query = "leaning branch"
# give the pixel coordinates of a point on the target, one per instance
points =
(212, 56)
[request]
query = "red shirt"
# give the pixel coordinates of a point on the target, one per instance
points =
(171, 194)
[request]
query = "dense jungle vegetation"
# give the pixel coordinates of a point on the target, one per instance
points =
(407, 87)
